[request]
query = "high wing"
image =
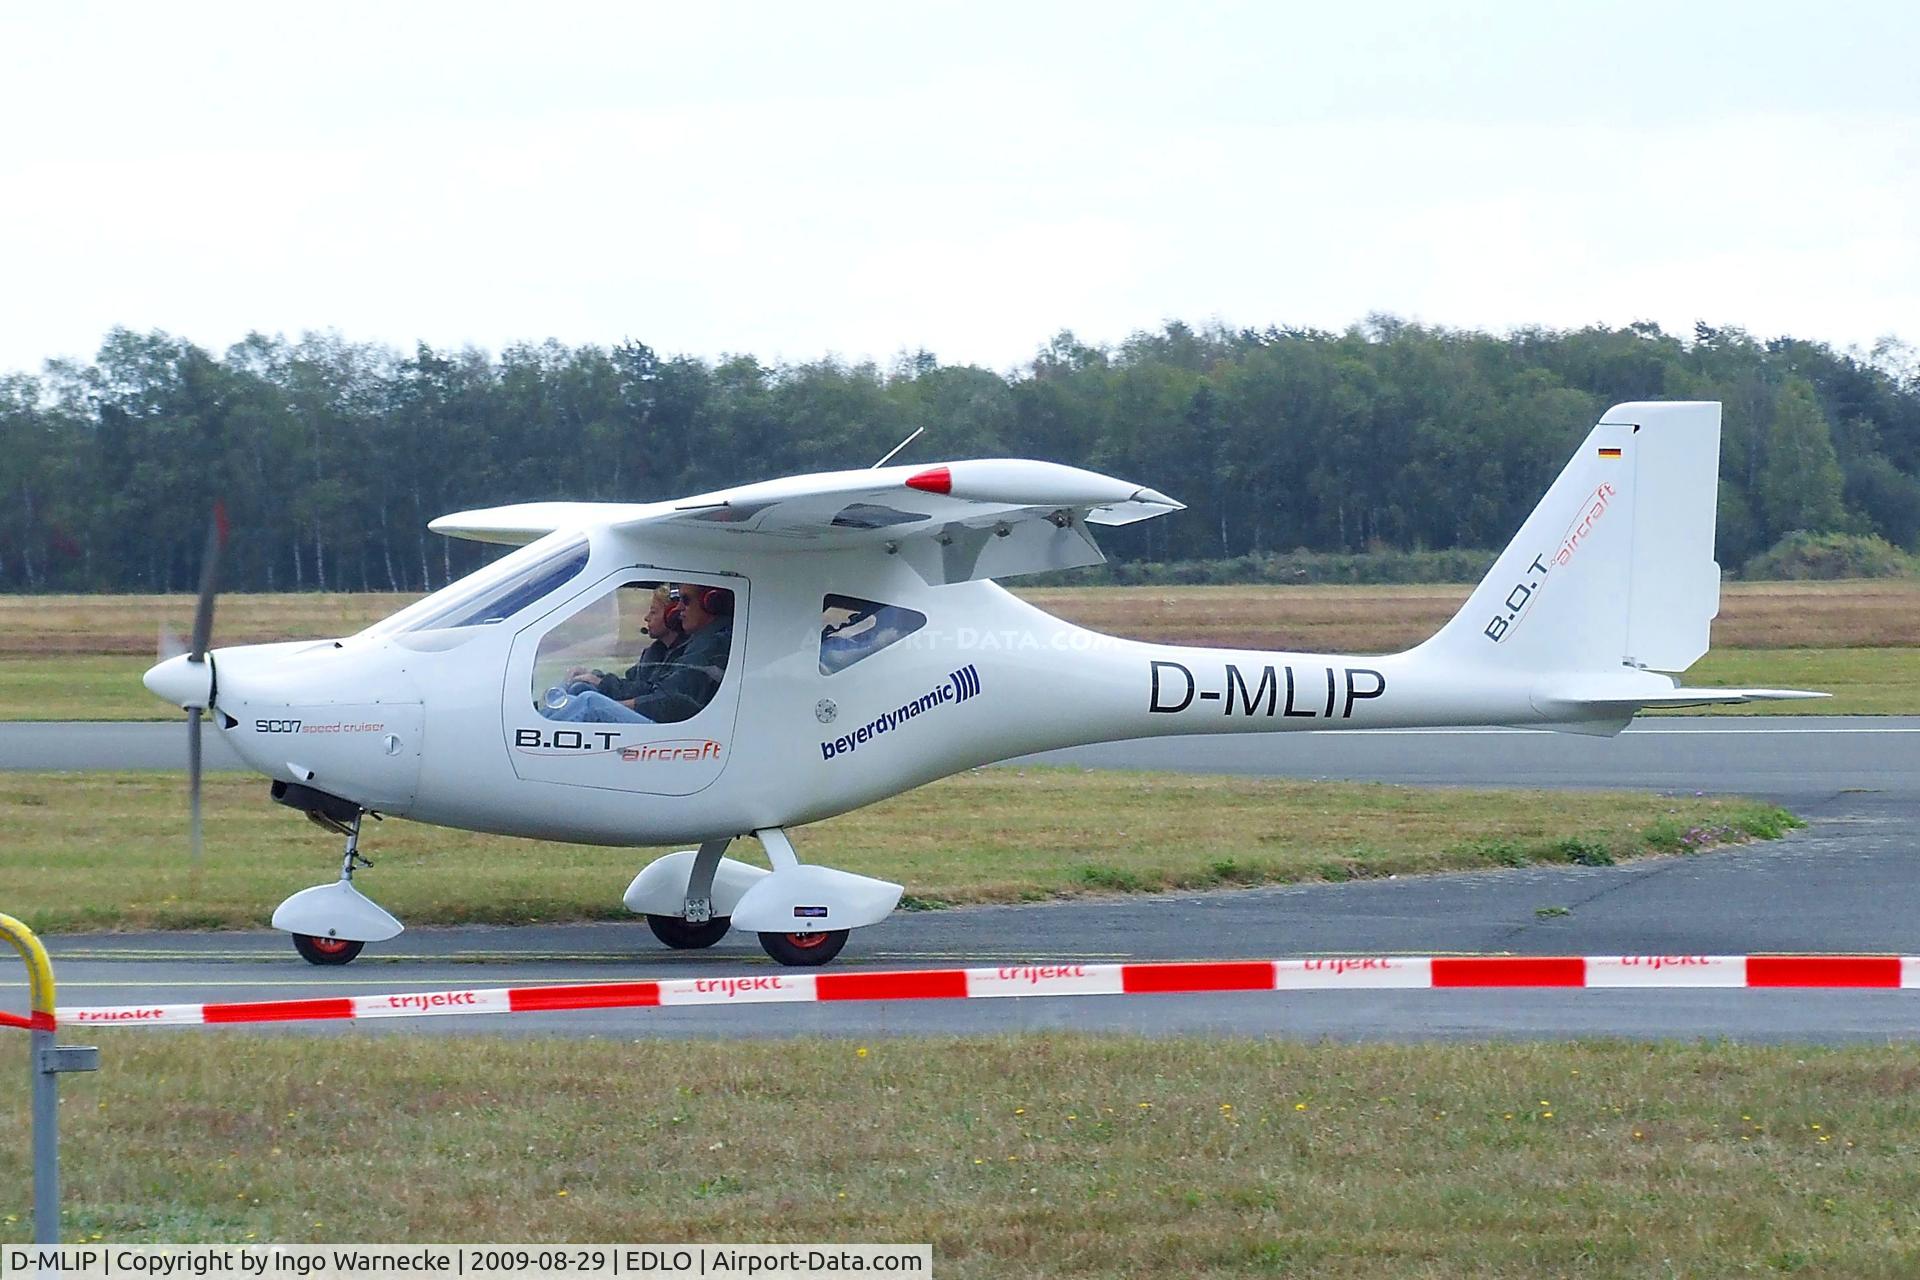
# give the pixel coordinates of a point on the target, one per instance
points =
(984, 518)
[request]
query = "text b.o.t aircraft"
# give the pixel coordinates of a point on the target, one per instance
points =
(840, 640)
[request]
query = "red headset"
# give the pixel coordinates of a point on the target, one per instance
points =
(714, 600)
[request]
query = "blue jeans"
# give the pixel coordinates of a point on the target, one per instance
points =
(594, 707)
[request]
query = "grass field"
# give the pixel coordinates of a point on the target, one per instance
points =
(90, 851)
(1056, 1155)
(1877, 613)
(1863, 682)
(80, 657)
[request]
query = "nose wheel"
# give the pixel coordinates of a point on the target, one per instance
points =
(326, 950)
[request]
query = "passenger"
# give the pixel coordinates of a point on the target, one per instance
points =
(663, 624)
(694, 672)
(688, 676)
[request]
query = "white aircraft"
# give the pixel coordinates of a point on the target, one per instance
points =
(844, 642)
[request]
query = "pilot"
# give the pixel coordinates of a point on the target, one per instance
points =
(688, 676)
(663, 625)
(694, 673)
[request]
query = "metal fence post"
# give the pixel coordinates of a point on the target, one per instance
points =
(46, 1061)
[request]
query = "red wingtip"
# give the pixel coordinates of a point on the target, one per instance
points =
(220, 518)
(932, 480)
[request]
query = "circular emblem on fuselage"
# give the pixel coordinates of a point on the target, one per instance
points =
(824, 711)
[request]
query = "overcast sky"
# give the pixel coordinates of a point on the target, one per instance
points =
(803, 180)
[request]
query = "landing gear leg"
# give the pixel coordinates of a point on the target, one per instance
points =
(798, 950)
(698, 926)
(327, 949)
(352, 858)
(331, 924)
(800, 912)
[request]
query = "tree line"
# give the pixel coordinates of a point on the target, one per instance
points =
(331, 455)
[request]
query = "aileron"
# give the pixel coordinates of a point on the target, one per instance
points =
(954, 522)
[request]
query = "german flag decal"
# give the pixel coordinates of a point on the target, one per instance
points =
(1609, 453)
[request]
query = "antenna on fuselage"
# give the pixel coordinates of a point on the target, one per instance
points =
(897, 448)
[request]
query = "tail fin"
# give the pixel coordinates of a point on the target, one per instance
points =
(1612, 578)
(1615, 566)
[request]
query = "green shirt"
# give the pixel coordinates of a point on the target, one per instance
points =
(690, 675)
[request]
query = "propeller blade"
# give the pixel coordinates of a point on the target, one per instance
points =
(209, 577)
(169, 644)
(197, 653)
(193, 781)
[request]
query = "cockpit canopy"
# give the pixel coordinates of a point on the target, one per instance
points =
(491, 594)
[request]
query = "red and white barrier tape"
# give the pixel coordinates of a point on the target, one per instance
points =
(1358, 973)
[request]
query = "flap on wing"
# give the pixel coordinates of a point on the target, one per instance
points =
(955, 522)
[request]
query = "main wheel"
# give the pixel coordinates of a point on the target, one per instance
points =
(804, 949)
(684, 936)
(325, 950)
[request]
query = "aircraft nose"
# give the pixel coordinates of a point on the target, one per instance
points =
(181, 681)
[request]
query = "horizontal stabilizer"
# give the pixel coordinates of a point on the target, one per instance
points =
(1579, 695)
(1703, 697)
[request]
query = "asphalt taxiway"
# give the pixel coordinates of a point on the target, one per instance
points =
(1791, 758)
(1849, 883)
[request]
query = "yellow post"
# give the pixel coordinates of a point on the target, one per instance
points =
(39, 970)
(47, 1061)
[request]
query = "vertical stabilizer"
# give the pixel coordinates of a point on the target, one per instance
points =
(1615, 567)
